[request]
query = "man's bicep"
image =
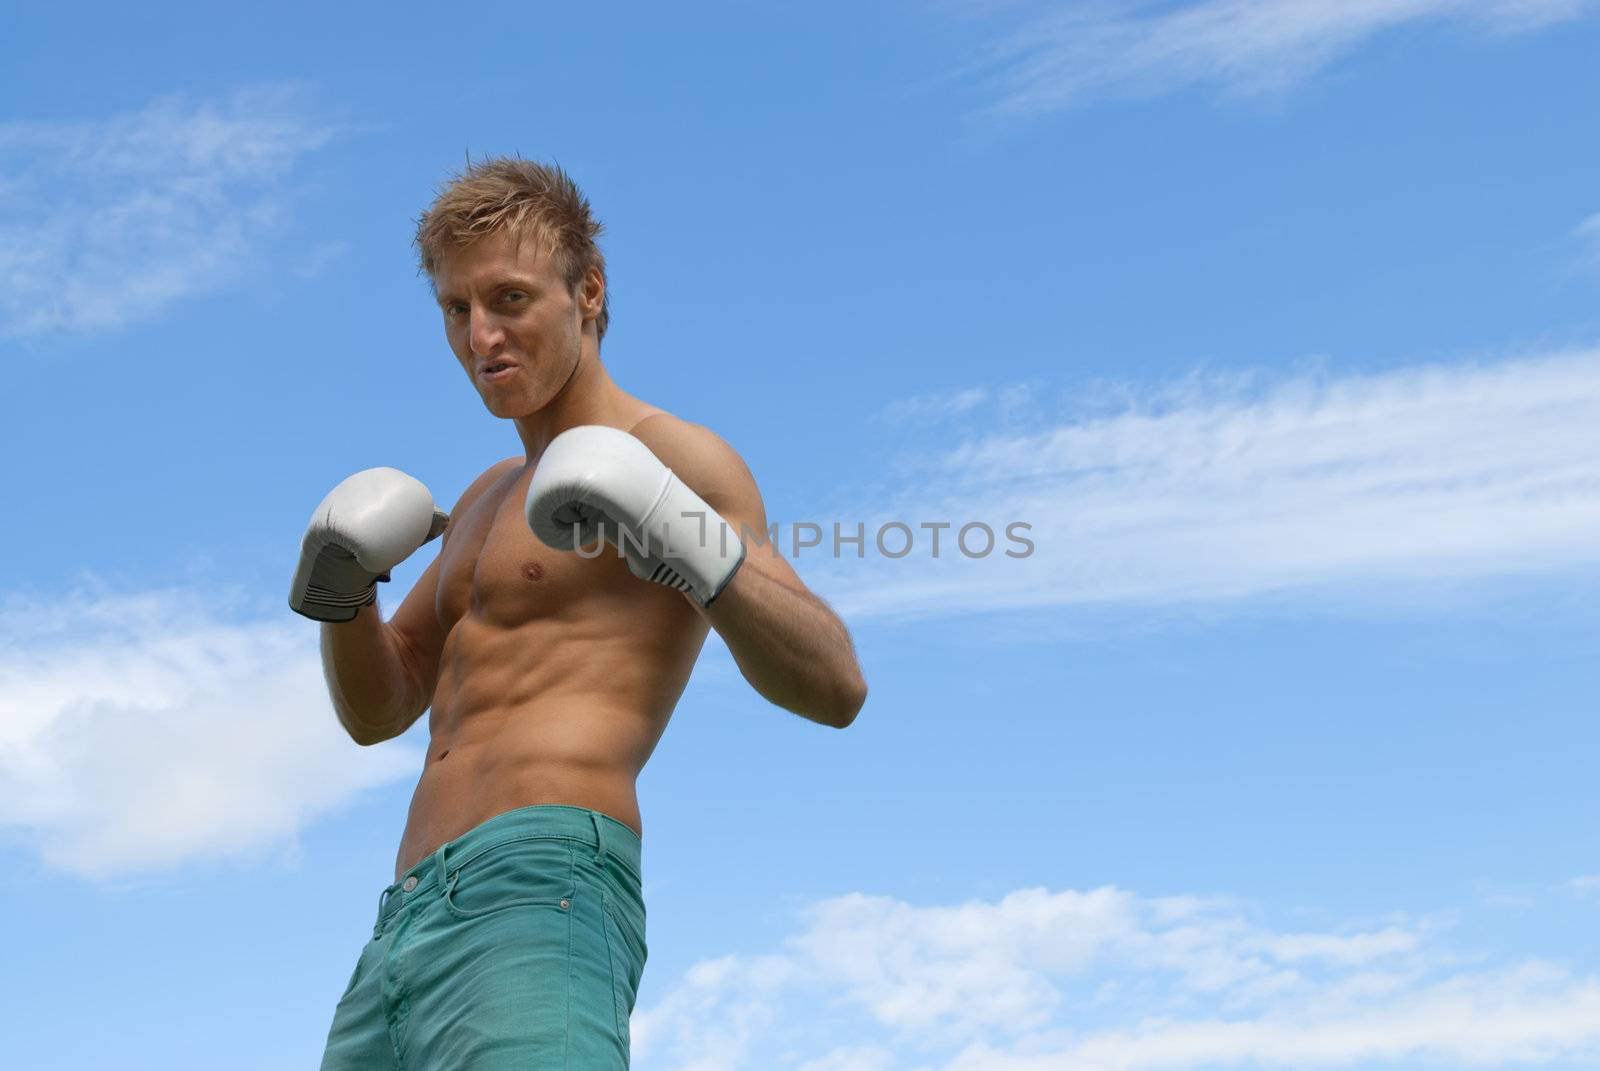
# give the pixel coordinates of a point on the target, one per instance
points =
(730, 489)
(737, 500)
(708, 466)
(713, 469)
(419, 636)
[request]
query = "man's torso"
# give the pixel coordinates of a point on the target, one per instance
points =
(556, 678)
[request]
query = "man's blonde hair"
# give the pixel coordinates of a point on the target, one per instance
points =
(504, 194)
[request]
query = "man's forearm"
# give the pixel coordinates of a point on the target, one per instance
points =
(789, 645)
(368, 681)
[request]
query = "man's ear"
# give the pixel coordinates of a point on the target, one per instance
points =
(592, 294)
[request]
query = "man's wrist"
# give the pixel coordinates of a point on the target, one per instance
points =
(333, 607)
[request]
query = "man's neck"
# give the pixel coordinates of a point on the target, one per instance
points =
(589, 397)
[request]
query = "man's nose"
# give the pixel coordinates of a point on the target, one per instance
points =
(485, 334)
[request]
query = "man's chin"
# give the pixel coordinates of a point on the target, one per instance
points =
(509, 409)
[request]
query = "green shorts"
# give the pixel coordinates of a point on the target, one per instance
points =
(518, 945)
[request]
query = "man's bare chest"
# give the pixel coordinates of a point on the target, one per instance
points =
(494, 567)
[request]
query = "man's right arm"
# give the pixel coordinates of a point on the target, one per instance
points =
(381, 675)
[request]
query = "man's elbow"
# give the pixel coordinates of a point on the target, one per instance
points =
(367, 733)
(371, 738)
(852, 697)
(363, 735)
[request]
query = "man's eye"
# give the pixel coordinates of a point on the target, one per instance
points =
(455, 310)
(513, 295)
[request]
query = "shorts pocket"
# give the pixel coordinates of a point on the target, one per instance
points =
(519, 874)
(349, 987)
(624, 984)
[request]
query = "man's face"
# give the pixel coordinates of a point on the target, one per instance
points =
(511, 322)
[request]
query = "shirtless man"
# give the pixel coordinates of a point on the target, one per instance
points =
(513, 935)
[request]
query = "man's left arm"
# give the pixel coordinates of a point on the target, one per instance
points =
(789, 645)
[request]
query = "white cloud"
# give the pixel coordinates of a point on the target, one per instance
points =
(109, 221)
(935, 407)
(139, 732)
(721, 1010)
(853, 1058)
(1586, 886)
(1007, 402)
(1588, 233)
(1106, 980)
(1220, 491)
(1244, 46)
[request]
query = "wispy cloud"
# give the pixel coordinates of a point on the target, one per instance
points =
(943, 406)
(142, 731)
(1214, 491)
(1588, 232)
(1064, 58)
(1106, 980)
(929, 407)
(106, 222)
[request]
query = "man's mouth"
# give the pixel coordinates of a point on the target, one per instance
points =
(497, 370)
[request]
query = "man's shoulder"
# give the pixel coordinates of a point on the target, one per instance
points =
(681, 443)
(490, 475)
(485, 480)
(706, 463)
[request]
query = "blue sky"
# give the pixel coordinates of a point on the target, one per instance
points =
(1277, 321)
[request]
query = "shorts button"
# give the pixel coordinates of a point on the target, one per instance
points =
(564, 905)
(411, 883)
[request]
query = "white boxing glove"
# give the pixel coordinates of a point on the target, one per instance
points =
(366, 526)
(595, 481)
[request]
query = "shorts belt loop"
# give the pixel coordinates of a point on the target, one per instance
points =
(439, 865)
(599, 838)
(383, 902)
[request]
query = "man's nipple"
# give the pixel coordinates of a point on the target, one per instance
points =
(532, 572)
